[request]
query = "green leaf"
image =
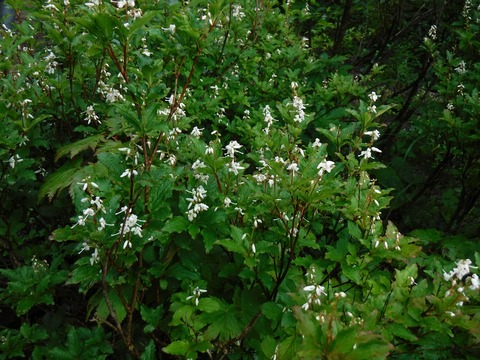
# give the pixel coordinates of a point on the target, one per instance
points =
(149, 352)
(60, 179)
(143, 20)
(79, 146)
(232, 246)
(152, 317)
(179, 347)
(177, 224)
(272, 311)
(401, 331)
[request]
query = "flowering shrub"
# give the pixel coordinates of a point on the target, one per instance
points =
(220, 199)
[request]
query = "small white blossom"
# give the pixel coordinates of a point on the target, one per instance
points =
(316, 144)
(234, 167)
(232, 148)
(95, 258)
(367, 154)
(85, 247)
(14, 160)
(171, 29)
(130, 173)
(122, 3)
(325, 166)
(432, 33)
(196, 132)
(91, 115)
(461, 68)
(375, 134)
(197, 292)
(293, 168)
(373, 96)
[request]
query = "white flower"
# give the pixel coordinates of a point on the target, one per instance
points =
(14, 160)
(234, 167)
(85, 247)
(126, 244)
(325, 165)
(298, 104)
(316, 144)
(450, 106)
(95, 258)
(113, 95)
(237, 12)
(130, 173)
(232, 147)
(91, 115)
(373, 96)
(195, 203)
(461, 68)
(375, 134)
(315, 292)
(197, 292)
(462, 269)
(92, 3)
(171, 28)
(372, 109)
(475, 284)
(196, 132)
(102, 224)
(367, 154)
(209, 150)
(432, 33)
(198, 165)
(227, 202)
(122, 3)
(293, 168)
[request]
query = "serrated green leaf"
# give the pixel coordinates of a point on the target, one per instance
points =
(401, 331)
(149, 352)
(179, 347)
(272, 311)
(60, 179)
(77, 147)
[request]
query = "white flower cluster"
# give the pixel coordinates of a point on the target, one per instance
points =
(461, 68)
(432, 33)
(95, 206)
(51, 63)
(197, 172)
(92, 4)
(373, 98)
(230, 150)
(314, 294)
(195, 203)
(300, 107)
(315, 291)
(268, 118)
(179, 111)
(237, 12)
(132, 12)
(459, 273)
(91, 116)
(130, 224)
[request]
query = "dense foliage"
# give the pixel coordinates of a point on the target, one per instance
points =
(240, 180)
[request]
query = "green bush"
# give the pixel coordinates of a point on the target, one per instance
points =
(199, 180)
